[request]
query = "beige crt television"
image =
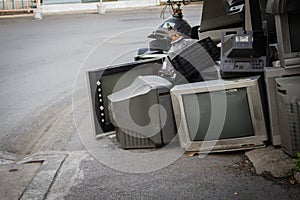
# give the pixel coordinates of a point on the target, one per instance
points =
(219, 115)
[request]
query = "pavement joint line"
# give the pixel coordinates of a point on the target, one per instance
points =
(55, 176)
(6, 156)
(41, 183)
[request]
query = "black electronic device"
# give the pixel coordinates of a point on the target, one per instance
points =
(221, 15)
(104, 81)
(194, 61)
(243, 51)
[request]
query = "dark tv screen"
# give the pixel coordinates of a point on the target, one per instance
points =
(115, 78)
(237, 123)
(294, 26)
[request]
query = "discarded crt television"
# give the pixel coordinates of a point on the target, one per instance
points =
(142, 113)
(288, 95)
(287, 14)
(220, 16)
(219, 115)
(104, 81)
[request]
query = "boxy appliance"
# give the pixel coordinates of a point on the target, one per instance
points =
(288, 95)
(219, 115)
(243, 51)
(142, 113)
(104, 81)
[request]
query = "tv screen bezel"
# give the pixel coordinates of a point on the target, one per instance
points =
(242, 143)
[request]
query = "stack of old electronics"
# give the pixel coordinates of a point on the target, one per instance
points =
(142, 112)
(245, 52)
(228, 113)
(211, 111)
(283, 81)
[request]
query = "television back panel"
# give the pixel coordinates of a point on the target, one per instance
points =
(139, 121)
(288, 95)
(194, 61)
(271, 73)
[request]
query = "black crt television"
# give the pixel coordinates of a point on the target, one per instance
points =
(221, 15)
(104, 81)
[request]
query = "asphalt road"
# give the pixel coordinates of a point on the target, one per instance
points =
(40, 59)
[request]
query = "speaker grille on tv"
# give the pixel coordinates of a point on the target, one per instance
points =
(131, 140)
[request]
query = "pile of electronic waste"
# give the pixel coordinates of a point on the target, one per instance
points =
(231, 83)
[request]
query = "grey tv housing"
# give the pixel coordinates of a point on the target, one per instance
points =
(243, 125)
(142, 113)
(288, 95)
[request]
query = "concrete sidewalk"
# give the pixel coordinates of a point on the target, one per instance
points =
(74, 8)
(92, 7)
(52, 174)
(33, 177)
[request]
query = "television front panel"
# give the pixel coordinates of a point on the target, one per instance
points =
(219, 115)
